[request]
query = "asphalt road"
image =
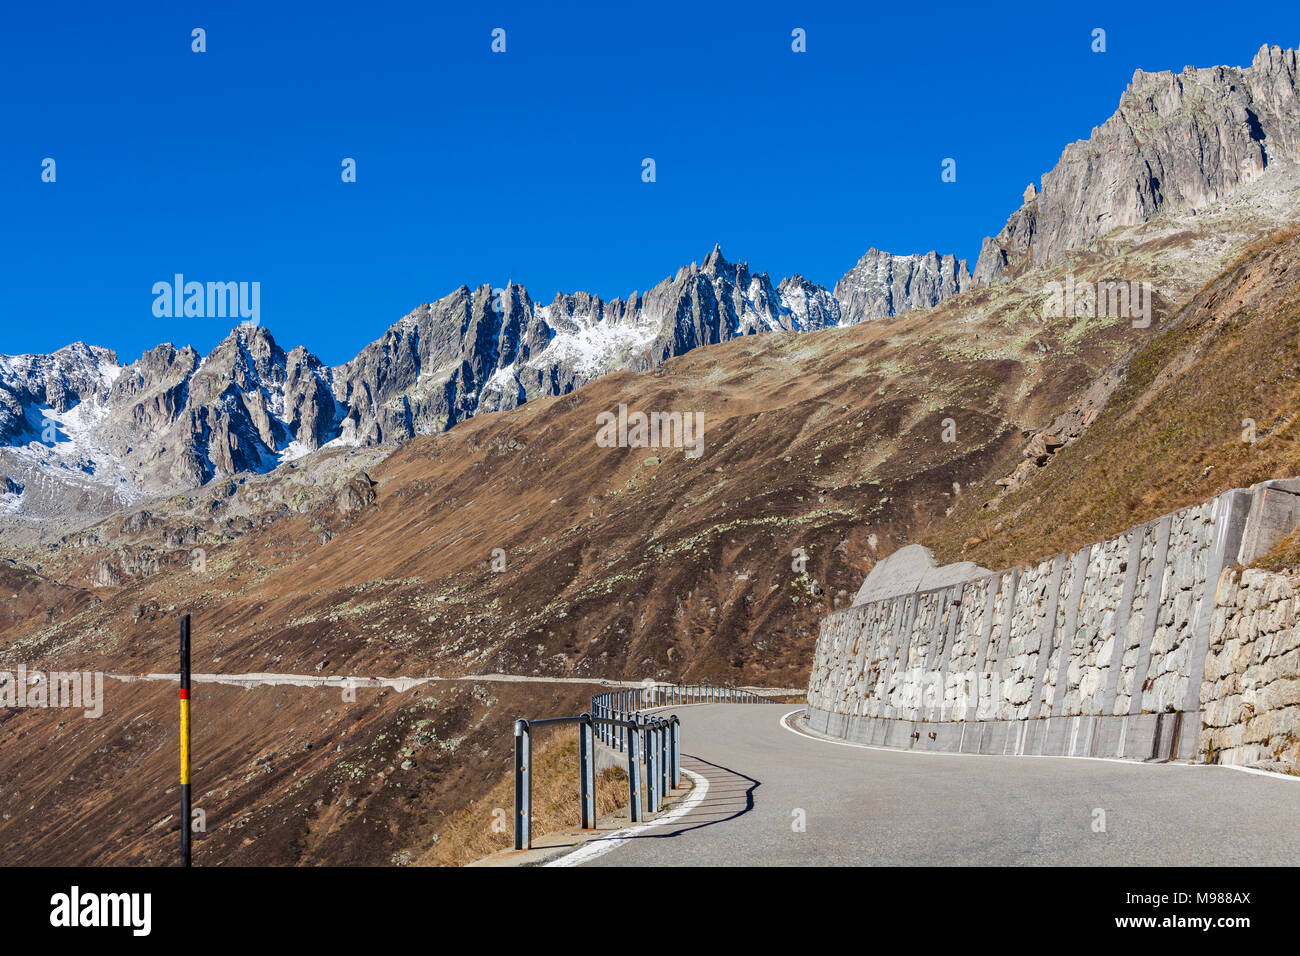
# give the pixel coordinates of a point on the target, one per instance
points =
(861, 806)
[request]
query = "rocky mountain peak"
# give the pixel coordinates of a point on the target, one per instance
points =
(1177, 141)
(883, 284)
(714, 262)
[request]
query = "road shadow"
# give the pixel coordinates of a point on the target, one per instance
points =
(731, 795)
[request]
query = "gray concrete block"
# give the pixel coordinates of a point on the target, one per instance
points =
(1274, 514)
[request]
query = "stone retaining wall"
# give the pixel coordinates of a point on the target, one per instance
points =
(1251, 696)
(1080, 653)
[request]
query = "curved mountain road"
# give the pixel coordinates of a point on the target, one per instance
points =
(868, 806)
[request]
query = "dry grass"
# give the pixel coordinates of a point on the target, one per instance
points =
(479, 829)
(1284, 555)
(1172, 433)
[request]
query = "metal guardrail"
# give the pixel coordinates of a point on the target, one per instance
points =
(617, 719)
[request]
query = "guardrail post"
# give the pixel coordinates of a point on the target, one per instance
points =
(659, 765)
(652, 769)
(523, 786)
(665, 771)
(586, 773)
(675, 729)
(633, 778)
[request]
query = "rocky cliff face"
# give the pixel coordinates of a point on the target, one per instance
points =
(882, 284)
(1177, 141)
(60, 380)
(82, 434)
(492, 349)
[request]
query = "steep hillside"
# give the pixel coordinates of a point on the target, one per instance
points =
(1210, 403)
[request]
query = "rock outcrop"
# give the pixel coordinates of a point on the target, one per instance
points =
(883, 284)
(1177, 141)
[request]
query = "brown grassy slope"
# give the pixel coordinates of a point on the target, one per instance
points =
(625, 562)
(1172, 433)
(483, 827)
(285, 775)
(29, 599)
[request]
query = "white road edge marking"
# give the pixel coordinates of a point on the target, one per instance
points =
(599, 847)
(952, 753)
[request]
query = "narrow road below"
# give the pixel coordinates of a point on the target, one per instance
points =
(779, 798)
(271, 679)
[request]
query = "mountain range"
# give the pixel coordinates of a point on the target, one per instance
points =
(80, 431)
(82, 435)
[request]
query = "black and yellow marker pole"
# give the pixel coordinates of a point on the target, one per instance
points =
(185, 740)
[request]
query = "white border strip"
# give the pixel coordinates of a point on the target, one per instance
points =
(602, 845)
(953, 753)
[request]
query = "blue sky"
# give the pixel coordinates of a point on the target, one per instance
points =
(475, 167)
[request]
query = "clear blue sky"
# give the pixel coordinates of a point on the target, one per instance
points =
(476, 167)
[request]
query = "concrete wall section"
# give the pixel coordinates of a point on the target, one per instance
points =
(1115, 650)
